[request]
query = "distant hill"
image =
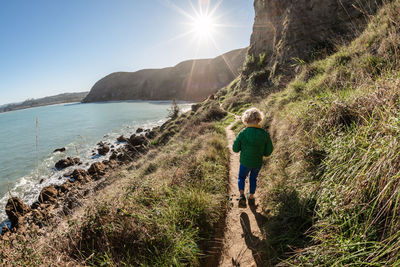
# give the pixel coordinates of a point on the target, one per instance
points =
(191, 80)
(48, 100)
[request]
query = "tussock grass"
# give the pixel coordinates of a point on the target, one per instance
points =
(331, 189)
(169, 210)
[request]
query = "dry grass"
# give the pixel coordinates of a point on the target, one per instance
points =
(333, 178)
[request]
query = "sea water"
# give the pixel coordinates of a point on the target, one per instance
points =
(28, 138)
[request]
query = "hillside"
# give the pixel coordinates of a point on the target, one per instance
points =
(328, 195)
(49, 100)
(191, 80)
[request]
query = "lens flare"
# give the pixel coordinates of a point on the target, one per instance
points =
(204, 26)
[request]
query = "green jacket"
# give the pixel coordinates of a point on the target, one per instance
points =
(254, 143)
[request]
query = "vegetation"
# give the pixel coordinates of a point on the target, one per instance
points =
(173, 111)
(49, 100)
(330, 191)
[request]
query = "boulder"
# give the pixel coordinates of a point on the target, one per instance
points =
(64, 163)
(15, 209)
(80, 175)
(97, 170)
(139, 130)
(137, 140)
(48, 194)
(150, 134)
(122, 139)
(4, 229)
(114, 155)
(103, 150)
(59, 150)
(65, 187)
(35, 205)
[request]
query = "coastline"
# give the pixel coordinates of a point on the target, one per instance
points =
(89, 175)
(78, 182)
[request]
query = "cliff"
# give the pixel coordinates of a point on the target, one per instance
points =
(289, 29)
(191, 80)
(45, 101)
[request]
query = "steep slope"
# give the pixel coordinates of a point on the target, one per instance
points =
(330, 192)
(192, 80)
(286, 33)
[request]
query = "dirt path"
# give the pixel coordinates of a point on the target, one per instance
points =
(243, 239)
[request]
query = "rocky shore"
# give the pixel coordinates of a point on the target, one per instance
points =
(57, 201)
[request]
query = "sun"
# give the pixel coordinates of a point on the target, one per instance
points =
(204, 26)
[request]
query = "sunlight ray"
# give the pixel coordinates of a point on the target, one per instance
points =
(211, 13)
(196, 12)
(220, 25)
(189, 80)
(180, 10)
(180, 36)
(234, 73)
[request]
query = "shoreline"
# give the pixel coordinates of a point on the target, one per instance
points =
(180, 102)
(121, 151)
(78, 181)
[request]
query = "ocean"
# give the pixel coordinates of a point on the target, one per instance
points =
(28, 138)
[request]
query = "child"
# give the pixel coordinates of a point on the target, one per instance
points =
(253, 142)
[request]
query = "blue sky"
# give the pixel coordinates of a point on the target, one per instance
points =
(52, 46)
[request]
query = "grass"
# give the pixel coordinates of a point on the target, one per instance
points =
(330, 192)
(331, 196)
(162, 218)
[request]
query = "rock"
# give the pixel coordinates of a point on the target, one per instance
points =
(4, 229)
(68, 174)
(137, 140)
(80, 175)
(48, 194)
(15, 209)
(139, 130)
(124, 157)
(41, 181)
(150, 135)
(64, 163)
(97, 170)
(65, 187)
(35, 205)
(59, 150)
(114, 155)
(104, 149)
(122, 139)
(288, 29)
(70, 203)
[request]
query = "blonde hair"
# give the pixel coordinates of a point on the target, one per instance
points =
(252, 116)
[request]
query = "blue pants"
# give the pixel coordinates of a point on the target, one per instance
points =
(243, 172)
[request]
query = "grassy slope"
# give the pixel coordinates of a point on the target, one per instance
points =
(164, 210)
(331, 189)
(171, 206)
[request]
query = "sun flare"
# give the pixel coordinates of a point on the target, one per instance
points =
(204, 26)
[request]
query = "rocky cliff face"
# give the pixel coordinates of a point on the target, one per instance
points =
(191, 80)
(286, 29)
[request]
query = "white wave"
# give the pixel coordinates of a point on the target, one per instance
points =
(28, 188)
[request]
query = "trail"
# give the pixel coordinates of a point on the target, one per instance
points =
(243, 239)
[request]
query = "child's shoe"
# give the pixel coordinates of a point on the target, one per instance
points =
(251, 201)
(242, 201)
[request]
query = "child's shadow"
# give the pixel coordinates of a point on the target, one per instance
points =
(254, 243)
